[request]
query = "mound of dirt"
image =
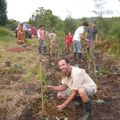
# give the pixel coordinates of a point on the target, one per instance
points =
(19, 49)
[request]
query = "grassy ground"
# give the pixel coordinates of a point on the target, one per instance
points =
(26, 59)
(20, 91)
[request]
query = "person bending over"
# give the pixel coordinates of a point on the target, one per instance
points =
(75, 82)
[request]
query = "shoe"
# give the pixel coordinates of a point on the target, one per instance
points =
(87, 111)
(85, 117)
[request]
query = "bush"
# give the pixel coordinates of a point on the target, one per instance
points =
(5, 32)
(61, 39)
(6, 35)
(115, 47)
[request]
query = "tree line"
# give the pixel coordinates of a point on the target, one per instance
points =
(108, 28)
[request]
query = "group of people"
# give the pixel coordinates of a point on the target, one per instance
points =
(83, 32)
(76, 83)
(86, 33)
(22, 33)
(44, 37)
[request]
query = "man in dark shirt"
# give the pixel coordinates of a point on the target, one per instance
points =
(91, 37)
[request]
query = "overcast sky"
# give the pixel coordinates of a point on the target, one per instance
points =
(22, 10)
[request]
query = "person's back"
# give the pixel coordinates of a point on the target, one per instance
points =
(53, 42)
(78, 32)
(52, 37)
(77, 44)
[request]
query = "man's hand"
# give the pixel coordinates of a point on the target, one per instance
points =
(60, 107)
(86, 39)
(82, 37)
(50, 87)
(58, 88)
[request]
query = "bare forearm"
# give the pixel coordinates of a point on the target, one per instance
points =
(82, 37)
(70, 98)
(57, 88)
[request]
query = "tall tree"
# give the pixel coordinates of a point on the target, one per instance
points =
(3, 12)
(46, 17)
(69, 25)
(100, 11)
(99, 7)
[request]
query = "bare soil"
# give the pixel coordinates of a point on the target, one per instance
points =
(21, 98)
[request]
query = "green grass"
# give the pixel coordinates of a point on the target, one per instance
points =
(5, 32)
(7, 36)
(8, 40)
(26, 59)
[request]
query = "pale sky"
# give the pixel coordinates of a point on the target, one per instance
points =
(22, 10)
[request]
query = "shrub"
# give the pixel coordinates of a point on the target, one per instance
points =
(5, 32)
(115, 47)
(61, 39)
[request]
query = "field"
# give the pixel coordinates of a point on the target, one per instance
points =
(24, 75)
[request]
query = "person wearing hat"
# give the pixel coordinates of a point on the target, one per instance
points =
(78, 36)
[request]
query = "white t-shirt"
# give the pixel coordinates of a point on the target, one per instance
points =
(79, 78)
(52, 36)
(78, 32)
(38, 33)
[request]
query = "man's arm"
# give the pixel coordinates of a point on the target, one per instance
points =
(67, 101)
(71, 97)
(82, 37)
(58, 88)
(38, 34)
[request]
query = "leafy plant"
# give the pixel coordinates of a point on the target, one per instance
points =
(92, 64)
(41, 77)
